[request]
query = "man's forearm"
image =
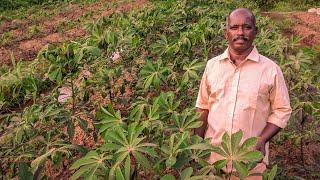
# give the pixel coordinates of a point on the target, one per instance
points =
(204, 119)
(269, 131)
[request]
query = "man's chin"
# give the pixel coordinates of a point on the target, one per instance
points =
(240, 48)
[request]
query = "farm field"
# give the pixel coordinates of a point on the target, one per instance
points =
(96, 89)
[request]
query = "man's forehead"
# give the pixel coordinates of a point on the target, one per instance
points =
(241, 17)
(240, 20)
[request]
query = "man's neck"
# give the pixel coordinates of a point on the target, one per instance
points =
(237, 57)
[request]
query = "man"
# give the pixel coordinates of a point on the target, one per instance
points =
(241, 89)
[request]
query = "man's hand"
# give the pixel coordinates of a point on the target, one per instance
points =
(268, 132)
(261, 146)
(204, 118)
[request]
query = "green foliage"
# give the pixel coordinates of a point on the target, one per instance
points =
(191, 71)
(21, 84)
(153, 74)
(185, 122)
(109, 119)
(141, 103)
(242, 156)
(13, 4)
(90, 166)
(167, 104)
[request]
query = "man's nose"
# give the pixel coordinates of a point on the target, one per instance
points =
(240, 31)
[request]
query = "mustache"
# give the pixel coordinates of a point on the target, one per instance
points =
(240, 37)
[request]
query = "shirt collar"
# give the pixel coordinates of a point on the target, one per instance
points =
(253, 56)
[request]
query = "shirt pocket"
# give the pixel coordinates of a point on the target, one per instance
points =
(258, 93)
(264, 92)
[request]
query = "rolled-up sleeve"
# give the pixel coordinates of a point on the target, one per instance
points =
(279, 101)
(203, 95)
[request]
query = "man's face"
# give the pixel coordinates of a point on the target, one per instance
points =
(240, 32)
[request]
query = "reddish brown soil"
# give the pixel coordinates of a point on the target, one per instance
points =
(306, 25)
(22, 47)
(288, 155)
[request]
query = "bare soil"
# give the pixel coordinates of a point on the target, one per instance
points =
(304, 24)
(289, 156)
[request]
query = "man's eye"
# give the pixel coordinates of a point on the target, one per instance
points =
(233, 28)
(248, 27)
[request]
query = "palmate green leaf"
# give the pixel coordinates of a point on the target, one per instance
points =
(120, 157)
(241, 169)
(119, 175)
(112, 172)
(153, 113)
(165, 149)
(161, 46)
(134, 130)
(186, 173)
(235, 141)
(55, 74)
(171, 161)
(185, 43)
(88, 159)
(122, 149)
(272, 174)
(92, 172)
(182, 160)
(136, 112)
(89, 165)
(192, 70)
(199, 146)
(220, 164)
(146, 149)
(250, 156)
(206, 169)
(82, 171)
(168, 177)
(173, 147)
(148, 81)
(39, 160)
(129, 143)
(138, 108)
(117, 135)
(109, 119)
(167, 104)
(127, 168)
(248, 144)
(199, 154)
(153, 74)
(185, 122)
(225, 148)
(220, 151)
(141, 159)
(173, 48)
(108, 146)
(181, 138)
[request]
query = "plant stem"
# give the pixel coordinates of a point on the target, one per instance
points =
(302, 142)
(73, 97)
